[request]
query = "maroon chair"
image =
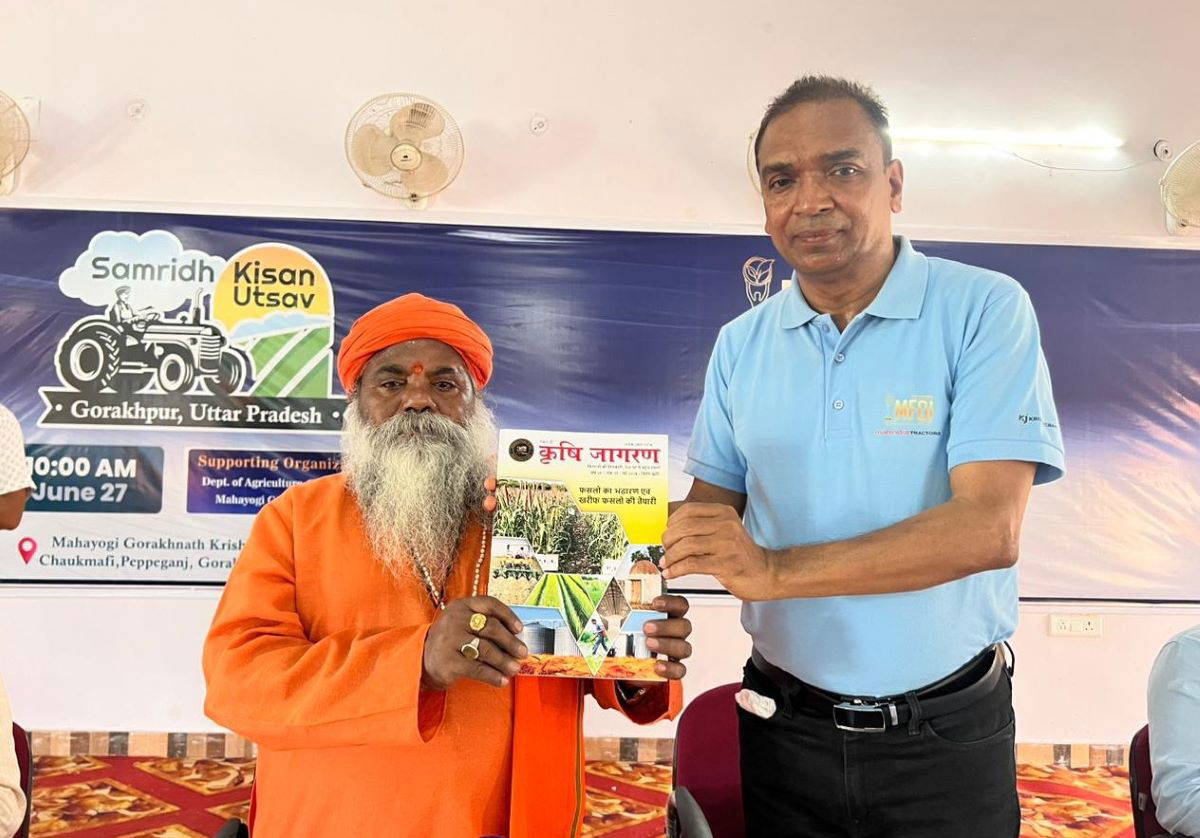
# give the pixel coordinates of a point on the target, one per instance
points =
(708, 784)
(1145, 824)
(25, 760)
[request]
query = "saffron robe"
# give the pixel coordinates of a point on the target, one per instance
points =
(315, 654)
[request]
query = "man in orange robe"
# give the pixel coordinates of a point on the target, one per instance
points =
(355, 643)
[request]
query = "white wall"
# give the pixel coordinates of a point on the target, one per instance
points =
(650, 108)
(650, 104)
(1066, 689)
(130, 660)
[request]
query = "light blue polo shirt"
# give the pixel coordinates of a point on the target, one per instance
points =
(1174, 713)
(831, 435)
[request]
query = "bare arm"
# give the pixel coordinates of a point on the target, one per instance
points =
(702, 492)
(12, 508)
(978, 529)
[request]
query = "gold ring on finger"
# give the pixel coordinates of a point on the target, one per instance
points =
(470, 651)
(477, 623)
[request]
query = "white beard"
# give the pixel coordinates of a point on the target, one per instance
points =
(418, 479)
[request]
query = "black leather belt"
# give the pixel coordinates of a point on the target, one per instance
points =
(960, 689)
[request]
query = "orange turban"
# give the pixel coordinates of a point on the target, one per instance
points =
(414, 317)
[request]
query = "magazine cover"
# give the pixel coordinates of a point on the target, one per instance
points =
(577, 548)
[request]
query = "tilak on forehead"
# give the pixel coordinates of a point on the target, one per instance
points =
(414, 317)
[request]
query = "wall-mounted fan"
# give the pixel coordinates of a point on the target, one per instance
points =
(1180, 192)
(751, 163)
(404, 146)
(14, 142)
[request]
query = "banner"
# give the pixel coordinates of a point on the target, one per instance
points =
(173, 373)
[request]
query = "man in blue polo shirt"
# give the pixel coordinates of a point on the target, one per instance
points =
(1174, 715)
(862, 460)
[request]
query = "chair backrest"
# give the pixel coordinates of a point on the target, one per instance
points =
(25, 761)
(707, 759)
(1145, 824)
(233, 828)
(685, 819)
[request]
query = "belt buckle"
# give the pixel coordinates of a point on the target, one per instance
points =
(851, 708)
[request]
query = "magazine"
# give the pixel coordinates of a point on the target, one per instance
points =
(577, 548)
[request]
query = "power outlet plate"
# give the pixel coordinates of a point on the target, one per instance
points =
(1076, 625)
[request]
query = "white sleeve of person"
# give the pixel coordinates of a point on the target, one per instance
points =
(1174, 708)
(14, 468)
(12, 798)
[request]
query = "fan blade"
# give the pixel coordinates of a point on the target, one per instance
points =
(372, 150)
(430, 177)
(418, 121)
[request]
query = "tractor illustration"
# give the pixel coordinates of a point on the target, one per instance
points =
(127, 355)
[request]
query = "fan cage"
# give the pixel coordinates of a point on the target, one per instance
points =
(448, 145)
(14, 135)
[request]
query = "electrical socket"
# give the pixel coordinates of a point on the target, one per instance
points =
(1076, 625)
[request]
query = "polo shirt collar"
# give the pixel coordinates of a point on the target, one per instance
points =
(903, 292)
(796, 310)
(901, 297)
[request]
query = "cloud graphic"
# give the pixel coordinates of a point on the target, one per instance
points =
(159, 272)
(276, 322)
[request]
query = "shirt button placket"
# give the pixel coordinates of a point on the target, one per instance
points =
(839, 416)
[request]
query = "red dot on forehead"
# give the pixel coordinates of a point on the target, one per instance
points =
(418, 369)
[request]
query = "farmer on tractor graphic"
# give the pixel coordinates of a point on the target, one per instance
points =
(122, 313)
(126, 349)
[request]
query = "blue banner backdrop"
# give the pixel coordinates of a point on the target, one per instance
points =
(166, 363)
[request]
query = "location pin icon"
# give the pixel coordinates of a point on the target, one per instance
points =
(27, 547)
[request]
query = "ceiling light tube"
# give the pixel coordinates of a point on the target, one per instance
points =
(1087, 138)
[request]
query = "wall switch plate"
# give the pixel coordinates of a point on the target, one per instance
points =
(1076, 625)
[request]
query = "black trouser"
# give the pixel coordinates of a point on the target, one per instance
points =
(954, 777)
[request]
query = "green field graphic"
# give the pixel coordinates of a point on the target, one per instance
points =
(296, 363)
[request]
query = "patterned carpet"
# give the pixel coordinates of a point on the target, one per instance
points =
(134, 797)
(1092, 802)
(626, 799)
(93, 797)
